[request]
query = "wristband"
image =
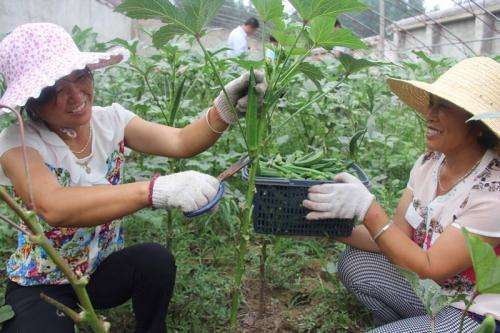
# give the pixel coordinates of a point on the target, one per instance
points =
(381, 231)
(151, 185)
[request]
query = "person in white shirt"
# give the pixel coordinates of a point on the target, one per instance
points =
(237, 40)
(75, 152)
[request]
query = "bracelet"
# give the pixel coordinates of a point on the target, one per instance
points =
(208, 123)
(381, 231)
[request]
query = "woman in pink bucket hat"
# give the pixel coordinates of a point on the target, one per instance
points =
(76, 156)
(454, 185)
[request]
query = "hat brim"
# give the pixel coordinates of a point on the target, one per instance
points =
(17, 94)
(416, 94)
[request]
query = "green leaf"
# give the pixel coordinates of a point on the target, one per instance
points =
(486, 264)
(311, 72)
(189, 17)
(429, 292)
(165, 34)
(352, 65)
(6, 313)
(310, 9)
(353, 143)
(487, 326)
(323, 34)
(247, 64)
(269, 10)
(422, 55)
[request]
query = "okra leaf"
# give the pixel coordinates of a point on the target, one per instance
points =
(269, 10)
(188, 17)
(166, 33)
(352, 65)
(430, 293)
(310, 9)
(322, 33)
(247, 64)
(311, 72)
(487, 326)
(6, 313)
(422, 55)
(486, 264)
(353, 143)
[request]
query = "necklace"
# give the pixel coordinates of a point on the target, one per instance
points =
(460, 179)
(86, 145)
(85, 164)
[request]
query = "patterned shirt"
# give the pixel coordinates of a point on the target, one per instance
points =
(83, 248)
(473, 203)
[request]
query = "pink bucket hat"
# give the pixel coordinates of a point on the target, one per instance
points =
(35, 55)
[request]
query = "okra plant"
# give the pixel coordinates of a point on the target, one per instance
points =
(486, 266)
(33, 229)
(316, 29)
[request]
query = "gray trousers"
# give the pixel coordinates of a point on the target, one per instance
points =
(379, 286)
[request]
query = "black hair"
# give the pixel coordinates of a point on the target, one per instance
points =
(253, 22)
(46, 95)
(487, 139)
(338, 24)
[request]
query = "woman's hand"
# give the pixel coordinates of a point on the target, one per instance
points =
(346, 199)
(188, 190)
(237, 91)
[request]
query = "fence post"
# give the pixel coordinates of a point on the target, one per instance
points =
(399, 41)
(381, 37)
(484, 24)
(433, 36)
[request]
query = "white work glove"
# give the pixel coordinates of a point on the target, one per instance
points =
(188, 190)
(347, 199)
(237, 91)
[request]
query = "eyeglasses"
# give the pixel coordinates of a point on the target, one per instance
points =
(49, 94)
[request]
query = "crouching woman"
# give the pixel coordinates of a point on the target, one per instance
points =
(454, 185)
(75, 157)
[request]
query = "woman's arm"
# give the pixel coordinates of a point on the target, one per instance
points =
(71, 206)
(361, 237)
(151, 138)
(447, 257)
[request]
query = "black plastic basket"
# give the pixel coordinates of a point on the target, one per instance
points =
(278, 208)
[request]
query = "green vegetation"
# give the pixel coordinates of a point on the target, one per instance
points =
(332, 112)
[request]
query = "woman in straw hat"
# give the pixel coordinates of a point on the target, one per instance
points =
(76, 155)
(454, 185)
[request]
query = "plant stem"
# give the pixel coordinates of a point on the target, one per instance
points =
(38, 237)
(280, 71)
(67, 311)
(262, 269)
(464, 313)
(314, 100)
(244, 236)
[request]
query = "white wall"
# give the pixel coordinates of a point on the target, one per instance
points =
(67, 13)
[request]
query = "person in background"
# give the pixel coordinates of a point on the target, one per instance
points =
(238, 38)
(270, 52)
(455, 184)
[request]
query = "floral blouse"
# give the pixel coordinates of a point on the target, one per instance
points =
(83, 248)
(473, 203)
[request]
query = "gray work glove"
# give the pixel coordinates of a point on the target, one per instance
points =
(237, 91)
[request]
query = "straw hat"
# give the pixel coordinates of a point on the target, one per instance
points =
(35, 55)
(473, 85)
